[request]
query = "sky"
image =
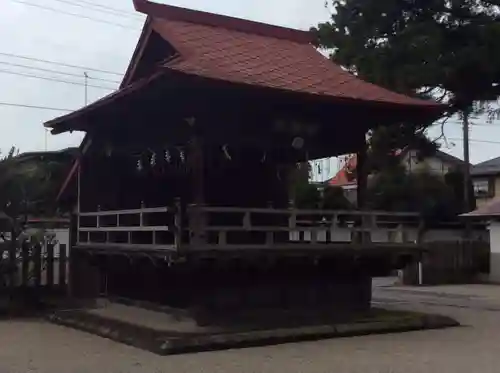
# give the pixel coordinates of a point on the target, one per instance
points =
(45, 30)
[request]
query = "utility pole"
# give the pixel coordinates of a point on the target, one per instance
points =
(465, 129)
(467, 202)
(86, 86)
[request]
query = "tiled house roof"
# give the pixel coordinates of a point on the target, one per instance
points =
(247, 52)
(489, 167)
(342, 179)
(490, 209)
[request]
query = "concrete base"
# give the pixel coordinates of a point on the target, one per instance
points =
(84, 276)
(266, 300)
(494, 275)
(166, 342)
(252, 291)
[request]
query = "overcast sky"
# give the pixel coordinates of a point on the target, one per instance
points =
(32, 31)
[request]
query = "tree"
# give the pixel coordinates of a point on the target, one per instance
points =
(419, 46)
(306, 196)
(454, 179)
(335, 199)
(29, 182)
(422, 192)
(386, 146)
(28, 186)
(440, 48)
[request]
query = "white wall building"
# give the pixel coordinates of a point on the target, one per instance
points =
(490, 212)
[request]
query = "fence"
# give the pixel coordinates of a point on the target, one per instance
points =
(449, 263)
(34, 268)
(236, 228)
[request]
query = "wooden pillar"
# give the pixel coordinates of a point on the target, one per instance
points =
(362, 174)
(197, 174)
(197, 167)
(78, 199)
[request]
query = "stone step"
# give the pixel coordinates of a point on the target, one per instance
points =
(165, 342)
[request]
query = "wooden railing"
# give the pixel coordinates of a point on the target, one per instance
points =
(207, 228)
(135, 228)
(232, 227)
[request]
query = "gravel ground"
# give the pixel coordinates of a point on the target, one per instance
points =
(36, 346)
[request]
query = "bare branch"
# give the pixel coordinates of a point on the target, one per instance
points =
(442, 136)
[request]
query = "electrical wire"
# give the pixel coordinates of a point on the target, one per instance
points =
(102, 8)
(56, 72)
(54, 79)
(33, 106)
(59, 63)
(44, 7)
(475, 140)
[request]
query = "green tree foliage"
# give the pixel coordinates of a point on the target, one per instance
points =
(437, 198)
(386, 145)
(454, 179)
(29, 182)
(28, 186)
(421, 192)
(335, 199)
(449, 46)
(306, 196)
(444, 48)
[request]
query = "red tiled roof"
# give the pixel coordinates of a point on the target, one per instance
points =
(341, 178)
(246, 52)
(490, 209)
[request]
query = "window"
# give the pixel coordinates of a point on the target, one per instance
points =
(483, 188)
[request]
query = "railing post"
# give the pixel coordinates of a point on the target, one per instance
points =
(178, 224)
(98, 223)
(222, 238)
(197, 225)
(270, 234)
(141, 215)
(292, 219)
(420, 231)
(369, 223)
(247, 221)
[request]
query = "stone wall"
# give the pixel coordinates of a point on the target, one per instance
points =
(229, 290)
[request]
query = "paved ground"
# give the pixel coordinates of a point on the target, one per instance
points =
(475, 347)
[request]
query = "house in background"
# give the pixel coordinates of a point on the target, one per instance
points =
(490, 212)
(439, 163)
(486, 180)
(346, 178)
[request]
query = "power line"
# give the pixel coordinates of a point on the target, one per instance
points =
(59, 63)
(33, 107)
(472, 124)
(56, 72)
(102, 8)
(54, 79)
(475, 140)
(74, 14)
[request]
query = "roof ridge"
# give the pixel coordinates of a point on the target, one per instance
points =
(487, 162)
(175, 13)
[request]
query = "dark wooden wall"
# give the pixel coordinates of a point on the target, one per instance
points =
(238, 177)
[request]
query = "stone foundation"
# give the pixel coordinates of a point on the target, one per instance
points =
(84, 276)
(214, 291)
(267, 295)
